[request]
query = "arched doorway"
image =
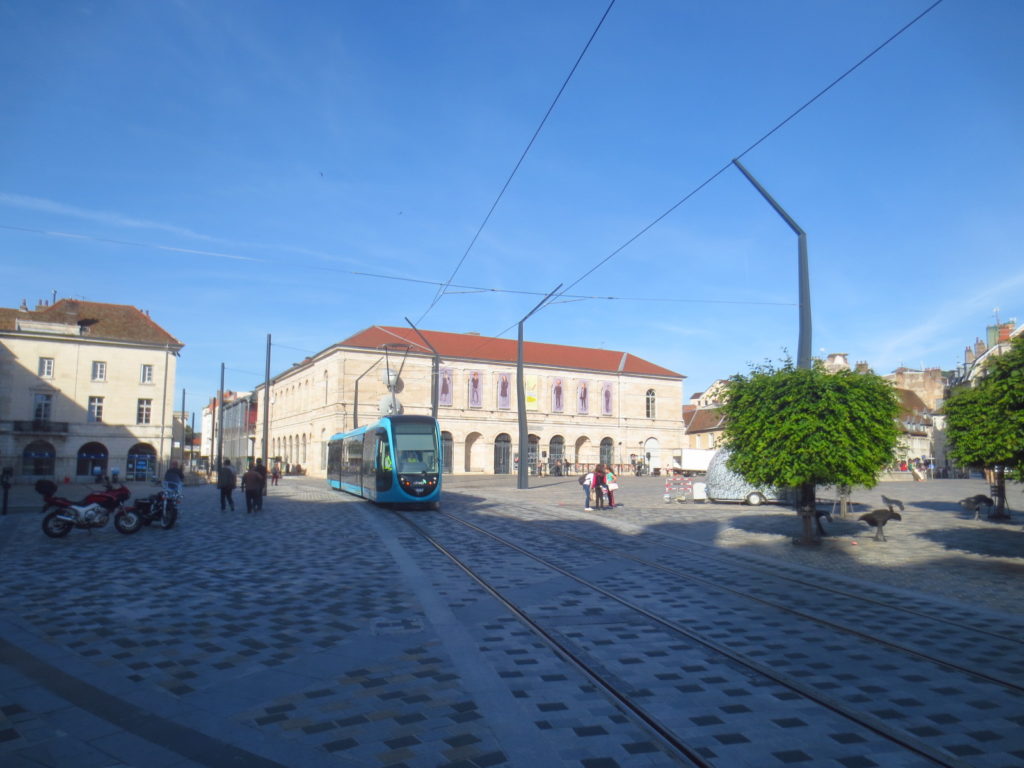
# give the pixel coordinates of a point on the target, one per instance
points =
(580, 458)
(652, 455)
(533, 454)
(447, 451)
(607, 451)
(92, 460)
(141, 462)
(38, 458)
(472, 448)
(556, 455)
(502, 454)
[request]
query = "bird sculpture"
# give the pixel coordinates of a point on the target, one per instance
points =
(892, 502)
(975, 503)
(877, 518)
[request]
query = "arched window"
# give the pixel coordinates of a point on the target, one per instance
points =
(91, 457)
(650, 404)
(38, 458)
(502, 454)
(141, 462)
(556, 455)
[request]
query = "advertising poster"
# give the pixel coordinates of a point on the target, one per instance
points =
(476, 390)
(583, 397)
(444, 387)
(504, 391)
(530, 384)
(558, 395)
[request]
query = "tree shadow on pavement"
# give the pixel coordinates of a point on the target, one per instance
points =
(994, 542)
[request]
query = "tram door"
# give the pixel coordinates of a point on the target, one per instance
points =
(447, 450)
(502, 454)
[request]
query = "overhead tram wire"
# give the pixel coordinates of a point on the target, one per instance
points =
(443, 289)
(763, 138)
(378, 276)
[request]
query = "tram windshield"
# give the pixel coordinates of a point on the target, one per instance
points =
(416, 448)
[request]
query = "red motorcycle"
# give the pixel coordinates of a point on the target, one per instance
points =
(91, 512)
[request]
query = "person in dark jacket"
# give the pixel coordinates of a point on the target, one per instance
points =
(226, 481)
(174, 474)
(253, 482)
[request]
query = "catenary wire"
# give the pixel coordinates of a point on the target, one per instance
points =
(763, 138)
(443, 289)
(378, 276)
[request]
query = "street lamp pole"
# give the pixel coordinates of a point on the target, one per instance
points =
(523, 482)
(803, 349)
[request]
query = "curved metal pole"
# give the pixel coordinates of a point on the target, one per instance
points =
(803, 349)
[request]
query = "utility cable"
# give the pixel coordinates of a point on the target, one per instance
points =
(443, 289)
(725, 167)
(375, 275)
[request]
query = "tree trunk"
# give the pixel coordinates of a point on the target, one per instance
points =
(807, 508)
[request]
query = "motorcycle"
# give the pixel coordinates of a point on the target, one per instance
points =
(161, 507)
(91, 512)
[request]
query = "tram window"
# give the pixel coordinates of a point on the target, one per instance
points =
(416, 448)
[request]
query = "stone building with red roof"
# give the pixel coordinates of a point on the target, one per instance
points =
(583, 405)
(85, 387)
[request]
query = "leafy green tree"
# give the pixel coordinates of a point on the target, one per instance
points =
(806, 427)
(985, 423)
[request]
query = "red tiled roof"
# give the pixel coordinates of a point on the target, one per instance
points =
(705, 420)
(472, 347)
(118, 322)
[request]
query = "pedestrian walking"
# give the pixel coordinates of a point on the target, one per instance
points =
(600, 487)
(253, 482)
(262, 469)
(275, 473)
(587, 481)
(612, 484)
(226, 482)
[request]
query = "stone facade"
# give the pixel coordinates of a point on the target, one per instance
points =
(84, 387)
(583, 405)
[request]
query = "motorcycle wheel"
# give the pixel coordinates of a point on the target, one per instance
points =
(127, 521)
(54, 527)
(169, 517)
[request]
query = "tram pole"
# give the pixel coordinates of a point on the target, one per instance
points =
(523, 481)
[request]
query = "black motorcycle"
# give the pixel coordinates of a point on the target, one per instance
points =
(161, 507)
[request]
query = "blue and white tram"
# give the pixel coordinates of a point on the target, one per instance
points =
(396, 460)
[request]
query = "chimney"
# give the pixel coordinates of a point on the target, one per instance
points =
(24, 306)
(968, 355)
(979, 347)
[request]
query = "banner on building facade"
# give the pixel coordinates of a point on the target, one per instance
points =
(476, 390)
(557, 395)
(444, 387)
(582, 397)
(530, 385)
(606, 398)
(504, 391)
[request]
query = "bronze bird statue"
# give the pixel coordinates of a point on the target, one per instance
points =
(975, 503)
(877, 518)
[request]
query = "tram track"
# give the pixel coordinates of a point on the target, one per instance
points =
(836, 625)
(570, 649)
(778, 572)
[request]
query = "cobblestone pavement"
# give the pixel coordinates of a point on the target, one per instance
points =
(321, 632)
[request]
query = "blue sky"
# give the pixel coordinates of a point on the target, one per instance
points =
(228, 166)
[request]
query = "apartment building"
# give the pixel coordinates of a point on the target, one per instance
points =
(85, 388)
(583, 405)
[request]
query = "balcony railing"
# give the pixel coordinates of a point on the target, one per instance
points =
(41, 426)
